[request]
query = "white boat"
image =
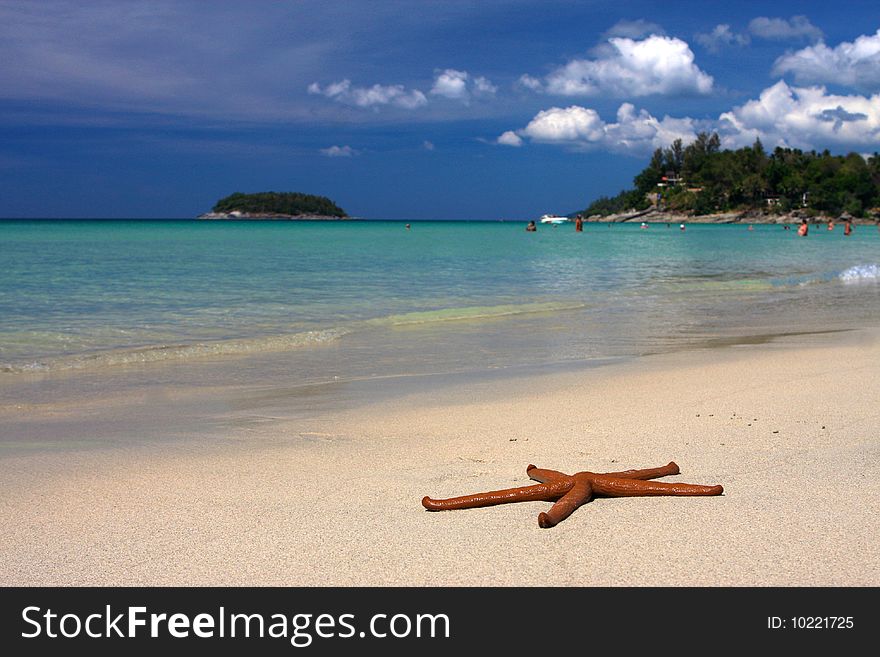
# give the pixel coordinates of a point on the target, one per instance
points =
(553, 219)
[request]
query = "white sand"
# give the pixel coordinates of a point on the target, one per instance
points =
(792, 432)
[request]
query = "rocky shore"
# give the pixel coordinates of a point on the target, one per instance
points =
(743, 217)
(236, 215)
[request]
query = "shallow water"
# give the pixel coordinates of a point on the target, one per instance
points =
(95, 310)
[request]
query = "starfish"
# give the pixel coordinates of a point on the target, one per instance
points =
(570, 491)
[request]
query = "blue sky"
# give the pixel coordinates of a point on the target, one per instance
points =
(492, 109)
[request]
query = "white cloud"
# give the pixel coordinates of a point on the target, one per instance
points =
(720, 37)
(573, 124)
(427, 145)
(509, 138)
(633, 29)
(459, 85)
(655, 65)
(581, 127)
(794, 117)
(395, 95)
(451, 84)
(803, 117)
(779, 28)
(641, 132)
(529, 82)
(339, 151)
(856, 64)
(484, 86)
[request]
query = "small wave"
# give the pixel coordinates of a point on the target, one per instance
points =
(854, 274)
(26, 367)
(744, 284)
(179, 352)
(159, 353)
(471, 313)
(733, 285)
(860, 273)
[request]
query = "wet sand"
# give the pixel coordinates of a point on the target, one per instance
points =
(789, 428)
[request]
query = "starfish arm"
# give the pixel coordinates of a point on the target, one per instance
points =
(542, 475)
(618, 487)
(648, 473)
(549, 491)
(580, 493)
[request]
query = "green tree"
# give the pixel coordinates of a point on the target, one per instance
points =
(279, 203)
(743, 179)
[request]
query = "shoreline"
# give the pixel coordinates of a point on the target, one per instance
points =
(744, 217)
(240, 216)
(74, 409)
(333, 499)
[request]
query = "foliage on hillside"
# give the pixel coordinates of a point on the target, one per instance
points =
(701, 179)
(279, 203)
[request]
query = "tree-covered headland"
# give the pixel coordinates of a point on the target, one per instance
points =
(278, 204)
(701, 178)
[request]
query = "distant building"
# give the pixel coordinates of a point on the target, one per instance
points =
(670, 180)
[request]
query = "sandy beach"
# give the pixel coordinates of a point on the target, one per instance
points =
(789, 428)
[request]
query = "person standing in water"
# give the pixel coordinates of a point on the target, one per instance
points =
(579, 224)
(847, 226)
(804, 228)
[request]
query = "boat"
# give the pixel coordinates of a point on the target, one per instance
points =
(553, 219)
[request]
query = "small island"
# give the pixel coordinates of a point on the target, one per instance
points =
(275, 205)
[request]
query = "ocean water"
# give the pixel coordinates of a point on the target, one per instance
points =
(90, 307)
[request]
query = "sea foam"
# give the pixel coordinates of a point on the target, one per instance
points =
(859, 273)
(176, 352)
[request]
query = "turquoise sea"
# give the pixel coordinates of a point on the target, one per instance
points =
(90, 307)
